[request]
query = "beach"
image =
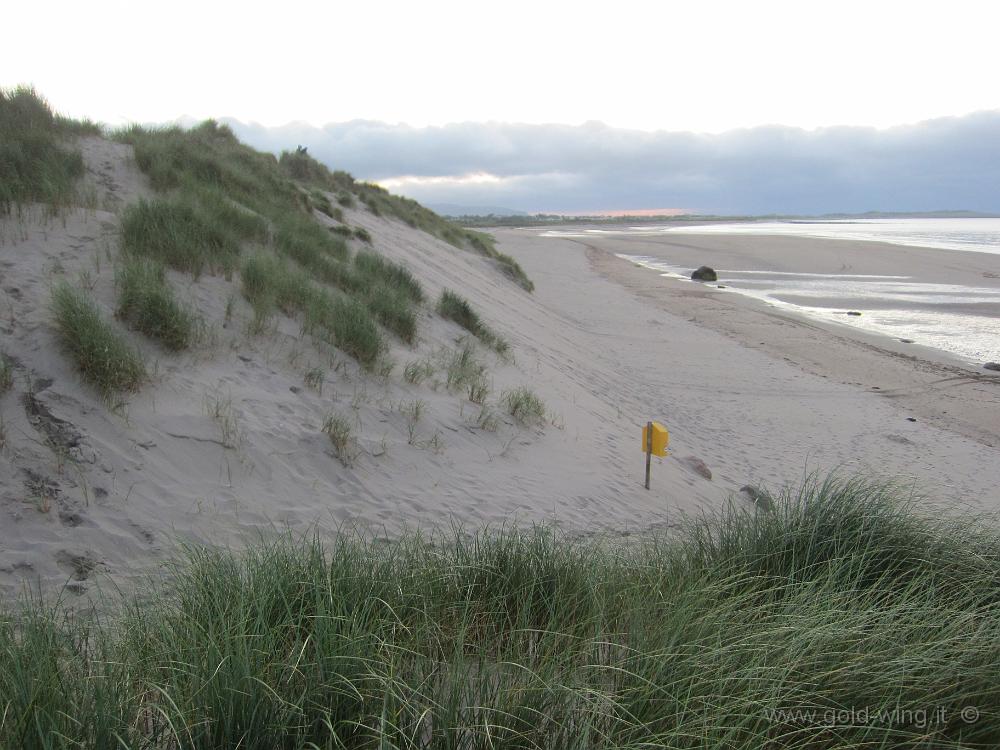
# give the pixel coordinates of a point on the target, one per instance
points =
(763, 394)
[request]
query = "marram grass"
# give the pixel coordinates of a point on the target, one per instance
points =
(101, 353)
(842, 619)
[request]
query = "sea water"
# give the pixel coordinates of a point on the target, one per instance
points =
(961, 320)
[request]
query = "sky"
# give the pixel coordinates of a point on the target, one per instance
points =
(620, 78)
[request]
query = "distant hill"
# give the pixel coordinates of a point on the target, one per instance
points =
(453, 209)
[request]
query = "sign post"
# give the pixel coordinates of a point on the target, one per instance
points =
(649, 449)
(654, 440)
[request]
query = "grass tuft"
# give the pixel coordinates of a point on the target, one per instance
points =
(175, 234)
(102, 355)
(524, 405)
(455, 307)
(36, 164)
(6, 374)
(338, 428)
(148, 304)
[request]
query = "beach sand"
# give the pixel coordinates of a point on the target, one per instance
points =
(757, 397)
(763, 394)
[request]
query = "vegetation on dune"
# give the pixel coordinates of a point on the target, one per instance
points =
(148, 304)
(843, 618)
(270, 283)
(300, 165)
(6, 374)
(175, 233)
(102, 355)
(524, 405)
(455, 307)
(243, 195)
(37, 162)
(219, 196)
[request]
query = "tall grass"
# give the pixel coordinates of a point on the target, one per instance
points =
(102, 355)
(174, 233)
(455, 307)
(148, 304)
(37, 163)
(742, 631)
(346, 323)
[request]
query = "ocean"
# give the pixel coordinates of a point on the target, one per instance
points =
(962, 320)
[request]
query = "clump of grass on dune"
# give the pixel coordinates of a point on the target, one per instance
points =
(211, 155)
(742, 630)
(174, 233)
(372, 266)
(148, 304)
(347, 323)
(455, 307)
(524, 405)
(36, 163)
(6, 374)
(393, 310)
(102, 355)
(269, 282)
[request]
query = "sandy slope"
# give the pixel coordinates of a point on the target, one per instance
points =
(86, 490)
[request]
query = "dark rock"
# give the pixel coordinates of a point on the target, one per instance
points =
(294, 389)
(721, 286)
(698, 466)
(907, 341)
(855, 313)
(704, 273)
(911, 419)
(992, 366)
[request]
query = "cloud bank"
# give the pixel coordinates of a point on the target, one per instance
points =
(948, 163)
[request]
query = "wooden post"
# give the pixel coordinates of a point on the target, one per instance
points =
(649, 449)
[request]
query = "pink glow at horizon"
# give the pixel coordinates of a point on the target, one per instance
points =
(628, 212)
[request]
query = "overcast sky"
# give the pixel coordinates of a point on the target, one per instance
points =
(673, 83)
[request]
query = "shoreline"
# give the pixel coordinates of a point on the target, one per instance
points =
(910, 368)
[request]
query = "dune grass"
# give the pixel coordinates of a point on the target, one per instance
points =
(103, 356)
(148, 304)
(455, 307)
(371, 265)
(303, 167)
(224, 194)
(174, 233)
(37, 163)
(742, 631)
(524, 405)
(6, 374)
(211, 155)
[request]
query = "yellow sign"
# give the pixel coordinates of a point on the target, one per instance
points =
(660, 439)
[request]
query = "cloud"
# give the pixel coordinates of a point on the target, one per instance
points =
(937, 164)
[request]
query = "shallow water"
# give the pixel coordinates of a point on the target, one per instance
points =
(961, 320)
(977, 235)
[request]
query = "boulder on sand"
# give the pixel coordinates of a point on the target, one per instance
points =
(992, 366)
(704, 273)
